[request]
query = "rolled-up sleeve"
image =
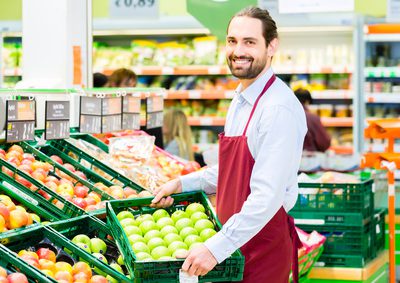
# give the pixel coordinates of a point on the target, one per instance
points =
(276, 158)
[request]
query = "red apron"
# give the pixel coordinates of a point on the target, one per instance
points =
(269, 254)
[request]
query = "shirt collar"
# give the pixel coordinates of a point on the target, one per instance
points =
(251, 93)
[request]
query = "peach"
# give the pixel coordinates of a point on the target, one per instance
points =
(63, 275)
(45, 253)
(69, 167)
(57, 159)
(17, 278)
(47, 264)
(18, 219)
(16, 147)
(28, 156)
(98, 279)
(15, 154)
(39, 175)
(83, 267)
(14, 161)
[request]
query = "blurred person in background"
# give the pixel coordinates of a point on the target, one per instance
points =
(177, 134)
(122, 78)
(99, 80)
(317, 138)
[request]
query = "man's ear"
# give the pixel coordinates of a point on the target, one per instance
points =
(272, 47)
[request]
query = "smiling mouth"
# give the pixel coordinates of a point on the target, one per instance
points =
(241, 61)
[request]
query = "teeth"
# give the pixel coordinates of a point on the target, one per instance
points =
(242, 61)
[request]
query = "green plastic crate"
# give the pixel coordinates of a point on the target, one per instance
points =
(92, 227)
(12, 263)
(307, 261)
(321, 197)
(31, 204)
(95, 165)
(67, 210)
(168, 271)
(329, 218)
(342, 260)
(378, 232)
(348, 240)
(32, 237)
(91, 139)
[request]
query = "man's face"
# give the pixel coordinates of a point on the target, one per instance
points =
(246, 51)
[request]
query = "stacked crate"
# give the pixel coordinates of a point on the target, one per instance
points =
(344, 213)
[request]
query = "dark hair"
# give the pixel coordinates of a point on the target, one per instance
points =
(303, 96)
(99, 80)
(268, 24)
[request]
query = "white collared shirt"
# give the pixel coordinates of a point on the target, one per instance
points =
(275, 138)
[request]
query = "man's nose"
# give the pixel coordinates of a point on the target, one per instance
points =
(239, 50)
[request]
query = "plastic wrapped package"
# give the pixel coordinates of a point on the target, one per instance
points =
(205, 50)
(143, 52)
(173, 54)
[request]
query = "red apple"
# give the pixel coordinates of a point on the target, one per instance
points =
(45, 253)
(81, 191)
(18, 219)
(79, 202)
(2, 151)
(28, 156)
(27, 162)
(17, 278)
(65, 181)
(81, 175)
(52, 185)
(44, 194)
(4, 212)
(7, 171)
(52, 179)
(23, 181)
(90, 201)
(14, 161)
(57, 159)
(91, 207)
(98, 279)
(69, 167)
(14, 154)
(129, 191)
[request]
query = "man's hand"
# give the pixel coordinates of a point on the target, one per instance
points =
(199, 261)
(162, 194)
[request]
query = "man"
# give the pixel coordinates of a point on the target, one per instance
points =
(258, 161)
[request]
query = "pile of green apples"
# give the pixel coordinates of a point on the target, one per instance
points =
(161, 236)
(98, 248)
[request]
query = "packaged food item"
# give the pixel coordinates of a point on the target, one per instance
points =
(205, 50)
(143, 52)
(341, 111)
(173, 54)
(326, 110)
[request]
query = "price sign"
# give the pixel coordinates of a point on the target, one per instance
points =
(131, 113)
(57, 120)
(154, 113)
(20, 120)
(99, 115)
(148, 9)
(90, 124)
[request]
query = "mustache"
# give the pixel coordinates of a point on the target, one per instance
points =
(233, 57)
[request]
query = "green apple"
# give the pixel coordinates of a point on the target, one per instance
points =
(103, 259)
(170, 238)
(179, 214)
(143, 256)
(152, 234)
(148, 225)
(128, 222)
(156, 242)
(35, 217)
(129, 230)
(120, 260)
(83, 247)
(176, 246)
(168, 230)
(98, 246)
(182, 223)
(180, 253)
(117, 267)
(160, 213)
(136, 238)
(197, 216)
(188, 231)
(111, 279)
(125, 214)
(164, 221)
(81, 238)
(191, 239)
(194, 245)
(194, 207)
(159, 252)
(203, 224)
(140, 247)
(207, 234)
(143, 218)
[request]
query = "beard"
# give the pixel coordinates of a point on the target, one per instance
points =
(246, 72)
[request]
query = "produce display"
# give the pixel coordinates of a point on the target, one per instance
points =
(55, 179)
(137, 158)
